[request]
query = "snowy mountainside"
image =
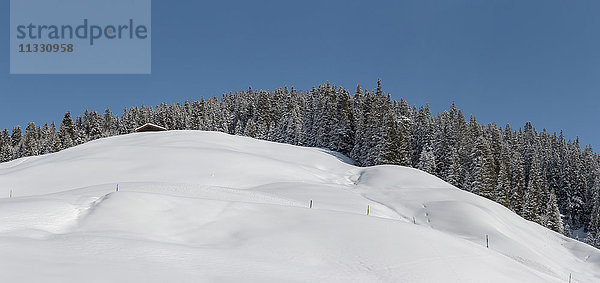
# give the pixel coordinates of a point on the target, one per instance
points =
(209, 207)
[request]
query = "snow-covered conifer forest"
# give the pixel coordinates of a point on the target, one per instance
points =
(541, 176)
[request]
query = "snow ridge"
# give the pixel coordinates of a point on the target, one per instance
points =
(210, 207)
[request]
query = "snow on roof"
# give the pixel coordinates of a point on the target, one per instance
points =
(148, 127)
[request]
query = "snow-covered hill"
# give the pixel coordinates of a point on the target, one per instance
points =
(210, 207)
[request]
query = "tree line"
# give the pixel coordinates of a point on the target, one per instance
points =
(539, 175)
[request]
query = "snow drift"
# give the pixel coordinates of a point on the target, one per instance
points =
(209, 207)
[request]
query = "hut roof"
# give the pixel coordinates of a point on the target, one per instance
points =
(149, 127)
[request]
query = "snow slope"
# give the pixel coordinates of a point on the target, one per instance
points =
(210, 207)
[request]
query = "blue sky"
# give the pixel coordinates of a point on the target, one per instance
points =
(503, 61)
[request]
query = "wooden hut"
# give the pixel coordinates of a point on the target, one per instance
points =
(149, 127)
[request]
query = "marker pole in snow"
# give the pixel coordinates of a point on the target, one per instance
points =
(487, 241)
(117, 187)
(368, 209)
(310, 206)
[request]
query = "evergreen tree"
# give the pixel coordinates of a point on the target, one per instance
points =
(593, 234)
(250, 130)
(483, 171)
(31, 146)
(66, 132)
(17, 142)
(427, 161)
(379, 91)
(503, 187)
(553, 218)
(567, 230)
(517, 194)
(6, 148)
(533, 196)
